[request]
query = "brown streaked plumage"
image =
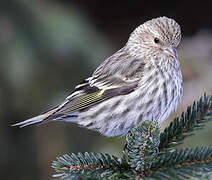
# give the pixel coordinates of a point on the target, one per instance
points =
(141, 81)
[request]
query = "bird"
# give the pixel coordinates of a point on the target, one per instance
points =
(141, 81)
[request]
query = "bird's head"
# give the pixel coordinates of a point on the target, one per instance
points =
(158, 37)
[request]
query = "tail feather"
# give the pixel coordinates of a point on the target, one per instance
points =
(30, 121)
(38, 119)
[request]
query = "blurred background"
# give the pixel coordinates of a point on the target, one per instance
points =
(48, 46)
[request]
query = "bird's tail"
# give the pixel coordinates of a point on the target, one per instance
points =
(38, 119)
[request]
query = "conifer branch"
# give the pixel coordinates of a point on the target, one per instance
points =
(90, 165)
(204, 176)
(183, 163)
(142, 146)
(181, 128)
(148, 154)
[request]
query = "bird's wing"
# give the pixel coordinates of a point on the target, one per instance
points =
(118, 75)
(92, 95)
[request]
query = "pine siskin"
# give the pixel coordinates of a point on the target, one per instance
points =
(141, 81)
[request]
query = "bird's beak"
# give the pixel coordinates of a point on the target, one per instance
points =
(171, 51)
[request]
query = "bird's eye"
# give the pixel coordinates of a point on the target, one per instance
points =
(156, 40)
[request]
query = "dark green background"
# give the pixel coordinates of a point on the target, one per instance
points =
(47, 47)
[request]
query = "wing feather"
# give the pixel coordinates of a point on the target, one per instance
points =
(82, 102)
(112, 78)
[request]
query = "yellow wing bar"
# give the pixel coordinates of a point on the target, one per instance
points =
(82, 102)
